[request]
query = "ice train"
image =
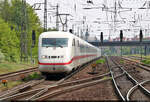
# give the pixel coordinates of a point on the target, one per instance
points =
(62, 52)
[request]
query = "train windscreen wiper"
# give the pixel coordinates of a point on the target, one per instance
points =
(57, 44)
(60, 45)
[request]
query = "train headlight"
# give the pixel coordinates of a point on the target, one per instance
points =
(44, 56)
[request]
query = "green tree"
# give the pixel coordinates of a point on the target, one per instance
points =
(10, 28)
(5, 10)
(8, 42)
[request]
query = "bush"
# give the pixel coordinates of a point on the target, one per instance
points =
(33, 76)
(121, 61)
(100, 61)
(147, 61)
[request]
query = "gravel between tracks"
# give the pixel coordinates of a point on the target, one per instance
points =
(102, 91)
(139, 96)
(140, 75)
(101, 69)
(147, 86)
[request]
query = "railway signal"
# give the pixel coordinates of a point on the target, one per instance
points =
(141, 38)
(121, 39)
(141, 35)
(33, 43)
(33, 38)
(101, 37)
(121, 35)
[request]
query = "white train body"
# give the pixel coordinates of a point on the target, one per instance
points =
(62, 52)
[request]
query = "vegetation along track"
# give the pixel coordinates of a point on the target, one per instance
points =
(138, 71)
(13, 74)
(34, 93)
(136, 58)
(126, 82)
(138, 63)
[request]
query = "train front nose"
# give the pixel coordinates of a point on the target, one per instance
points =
(54, 62)
(53, 55)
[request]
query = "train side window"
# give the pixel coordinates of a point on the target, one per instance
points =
(73, 43)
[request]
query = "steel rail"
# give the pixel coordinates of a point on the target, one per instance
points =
(135, 81)
(75, 87)
(41, 91)
(134, 88)
(136, 57)
(65, 84)
(116, 86)
(2, 76)
(128, 75)
(21, 94)
(15, 91)
(49, 86)
(71, 88)
(62, 80)
(143, 66)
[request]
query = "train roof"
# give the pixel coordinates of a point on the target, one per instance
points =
(56, 33)
(61, 34)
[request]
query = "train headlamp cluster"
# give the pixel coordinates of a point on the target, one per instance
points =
(44, 56)
(48, 57)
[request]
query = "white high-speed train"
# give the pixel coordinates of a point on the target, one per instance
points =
(62, 52)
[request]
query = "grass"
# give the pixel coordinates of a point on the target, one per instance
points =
(139, 55)
(144, 61)
(100, 61)
(10, 85)
(121, 61)
(32, 76)
(106, 77)
(6, 67)
(147, 61)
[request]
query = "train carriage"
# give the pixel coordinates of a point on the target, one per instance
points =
(62, 52)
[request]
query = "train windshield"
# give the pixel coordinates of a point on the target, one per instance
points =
(55, 42)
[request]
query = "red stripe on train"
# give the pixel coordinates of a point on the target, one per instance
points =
(74, 58)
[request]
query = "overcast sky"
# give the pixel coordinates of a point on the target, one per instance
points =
(96, 18)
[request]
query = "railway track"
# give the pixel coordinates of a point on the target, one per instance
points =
(73, 85)
(25, 89)
(126, 84)
(21, 88)
(134, 90)
(136, 57)
(138, 71)
(138, 63)
(12, 74)
(34, 93)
